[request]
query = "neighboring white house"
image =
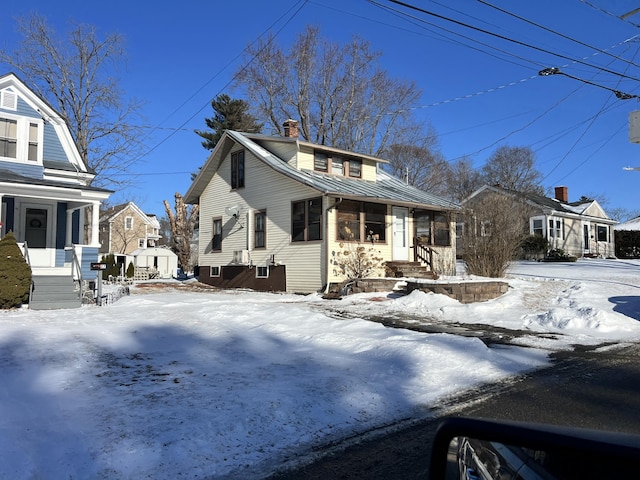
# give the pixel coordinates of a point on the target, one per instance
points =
(580, 228)
(278, 213)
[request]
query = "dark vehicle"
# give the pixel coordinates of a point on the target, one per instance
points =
(474, 449)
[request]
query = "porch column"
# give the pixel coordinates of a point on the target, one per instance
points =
(68, 239)
(94, 238)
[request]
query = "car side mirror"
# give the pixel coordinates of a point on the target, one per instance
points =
(474, 449)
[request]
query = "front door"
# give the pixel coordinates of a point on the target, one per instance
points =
(37, 234)
(400, 233)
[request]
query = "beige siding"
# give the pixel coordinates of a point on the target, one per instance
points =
(305, 161)
(267, 190)
(124, 240)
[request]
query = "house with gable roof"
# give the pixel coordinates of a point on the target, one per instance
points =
(133, 236)
(281, 214)
(46, 196)
(580, 228)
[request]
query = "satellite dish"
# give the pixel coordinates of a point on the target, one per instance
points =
(232, 211)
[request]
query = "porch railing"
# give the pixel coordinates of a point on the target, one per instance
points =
(25, 254)
(423, 253)
(76, 269)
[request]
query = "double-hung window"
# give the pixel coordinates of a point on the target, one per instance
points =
(8, 138)
(260, 229)
(216, 238)
(556, 228)
(128, 223)
(237, 169)
(306, 220)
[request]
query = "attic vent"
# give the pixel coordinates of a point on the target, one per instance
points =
(8, 100)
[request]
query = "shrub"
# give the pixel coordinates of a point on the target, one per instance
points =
(357, 261)
(112, 268)
(15, 274)
(559, 255)
(130, 270)
(534, 246)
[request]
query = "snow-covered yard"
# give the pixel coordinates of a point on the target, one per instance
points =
(180, 384)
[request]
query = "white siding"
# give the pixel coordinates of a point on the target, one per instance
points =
(265, 189)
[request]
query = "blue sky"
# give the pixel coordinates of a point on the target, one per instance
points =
(477, 68)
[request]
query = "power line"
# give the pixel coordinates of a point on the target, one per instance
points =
(508, 39)
(301, 4)
(484, 2)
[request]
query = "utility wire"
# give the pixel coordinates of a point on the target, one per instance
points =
(606, 12)
(484, 2)
(502, 37)
(301, 4)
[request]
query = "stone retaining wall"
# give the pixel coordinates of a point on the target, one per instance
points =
(464, 292)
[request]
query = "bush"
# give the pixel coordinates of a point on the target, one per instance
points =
(112, 268)
(627, 244)
(534, 246)
(15, 274)
(131, 270)
(558, 255)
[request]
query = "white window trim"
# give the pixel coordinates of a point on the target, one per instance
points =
(128, 217)
(211, 271)
(262, 268)
(142, 243)
(22, 139)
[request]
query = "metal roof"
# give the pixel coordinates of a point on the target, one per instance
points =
(385, 189)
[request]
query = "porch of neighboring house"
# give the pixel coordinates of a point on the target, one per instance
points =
(49, 235)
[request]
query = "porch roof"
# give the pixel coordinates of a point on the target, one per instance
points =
(18, 185)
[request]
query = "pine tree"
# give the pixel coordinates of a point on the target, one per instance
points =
(15, 274)
(229, 114)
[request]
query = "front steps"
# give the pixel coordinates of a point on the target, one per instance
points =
(52, 292)
(406, 269)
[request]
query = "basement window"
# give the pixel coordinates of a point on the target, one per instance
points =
(262, 272)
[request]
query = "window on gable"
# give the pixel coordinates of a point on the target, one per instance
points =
(128, 223)
(237, 169)
(306, 220)
(260, 229)
(8, 138)
(32, 154)
(216, 240)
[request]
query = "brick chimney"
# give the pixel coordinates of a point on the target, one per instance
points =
(562, 194)
(290, 129)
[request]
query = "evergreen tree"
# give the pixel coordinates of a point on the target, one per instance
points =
(229, 114)
(131, 270)
(15, 274)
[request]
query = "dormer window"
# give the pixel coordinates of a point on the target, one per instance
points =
(32, 153)
(337, 165)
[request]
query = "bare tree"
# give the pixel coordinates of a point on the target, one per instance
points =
(494, 229)
(513, 168)
(462, 179)
(183, 223)
(339, 93)
(77, 76)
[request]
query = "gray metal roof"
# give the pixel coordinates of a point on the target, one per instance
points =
(387, 188)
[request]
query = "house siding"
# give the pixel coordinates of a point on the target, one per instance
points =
(52, 148)
(265, 189)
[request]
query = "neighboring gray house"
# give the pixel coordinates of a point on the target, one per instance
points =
(278, 213)
(46, 195)
(580, 228)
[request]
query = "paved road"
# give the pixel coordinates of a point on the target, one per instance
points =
(584, 388)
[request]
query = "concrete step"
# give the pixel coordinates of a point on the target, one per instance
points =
(401, 269)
